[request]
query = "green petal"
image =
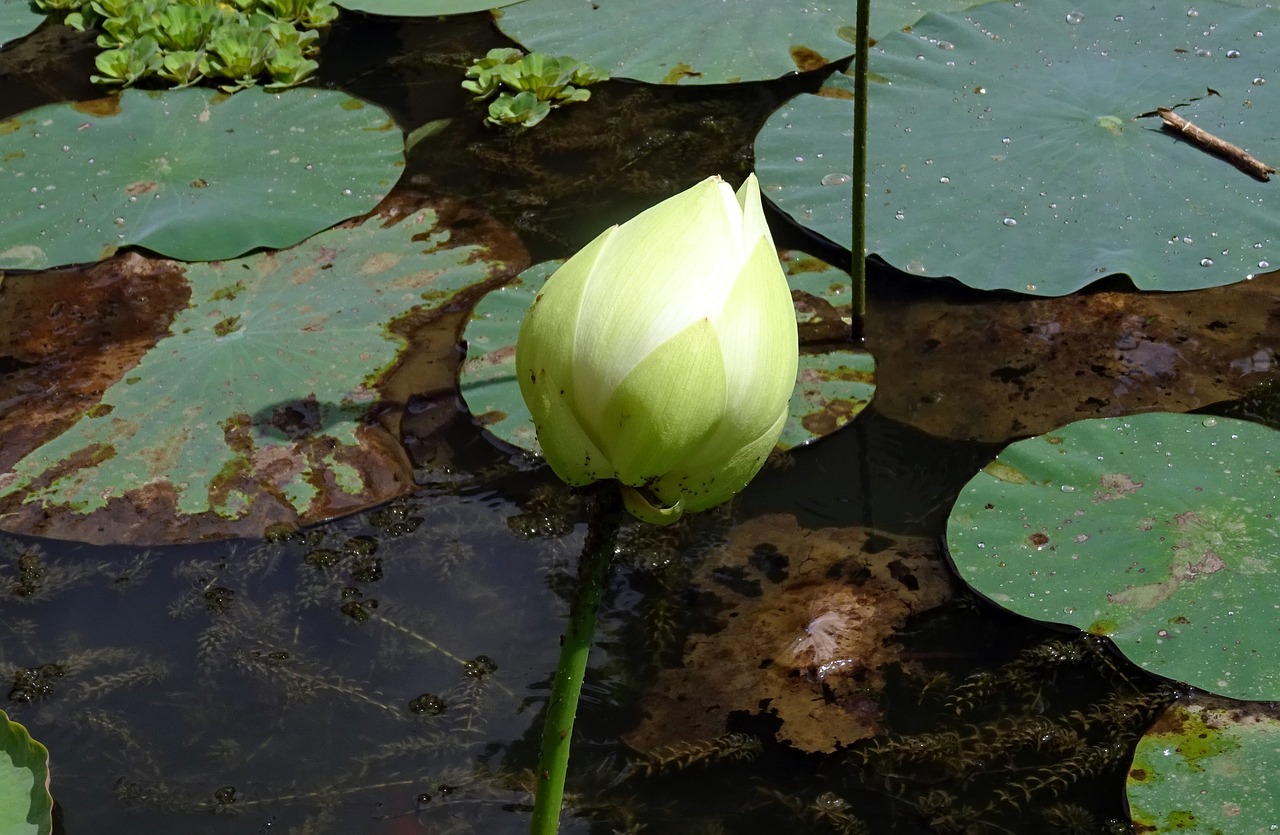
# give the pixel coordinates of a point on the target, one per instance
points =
(707, 479)
(754, 226)
(568, 448)
(544, 356)
(639, 506)
(667, 407)
(758, 336)
(661, 271)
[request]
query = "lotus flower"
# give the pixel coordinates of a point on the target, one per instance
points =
(663, 354)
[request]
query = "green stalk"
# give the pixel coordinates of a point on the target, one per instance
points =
(858, 249)
(557, 730)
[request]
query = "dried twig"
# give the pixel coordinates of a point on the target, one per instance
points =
(1234, 154)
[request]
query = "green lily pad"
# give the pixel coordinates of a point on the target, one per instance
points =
(1208, 766)
(1159, 531)
(258, 408)
(488, 376)
(26, 807)
(17, 18)
(191, 174)
(677, 42)
(834, 383)
(1016, 146)
(422, 8)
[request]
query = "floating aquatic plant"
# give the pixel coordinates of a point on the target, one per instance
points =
(528, 86)
(181, 42)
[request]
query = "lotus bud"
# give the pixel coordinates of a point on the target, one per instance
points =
(663, 354)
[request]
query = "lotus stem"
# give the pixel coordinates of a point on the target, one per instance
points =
(575, 647)
(858, 247)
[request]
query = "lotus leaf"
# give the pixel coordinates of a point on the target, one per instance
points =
(1208, 766)
(188, 173)
(25, 805)
(1159, 531)
(17, 18)
(1017, 146)
(255, 409)
(674, 42)
(423, 8)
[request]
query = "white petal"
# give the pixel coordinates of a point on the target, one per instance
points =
(662, 270)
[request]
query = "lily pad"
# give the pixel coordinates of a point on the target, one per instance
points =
(1016, 146)
(264, 405)
(26, 808)
(680, 42)
(1159, 531)
(422, 8)
(834, 382)
(17, 18)
(192, 174)
(1208, 766)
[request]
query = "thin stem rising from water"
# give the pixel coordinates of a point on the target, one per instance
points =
(597, 556)
(858, 247)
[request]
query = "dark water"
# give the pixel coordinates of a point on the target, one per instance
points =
(384, 673)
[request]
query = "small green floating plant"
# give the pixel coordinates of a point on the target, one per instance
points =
(528, 86)
(182, 42)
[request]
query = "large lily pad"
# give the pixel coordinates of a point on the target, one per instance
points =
(263, 404)
(1159, 531)
(422, 8)
(1016, 146)
(676, 41)
(1208, 766)
(192, 174)
(26, 808)
(834, 382)
(17, 18)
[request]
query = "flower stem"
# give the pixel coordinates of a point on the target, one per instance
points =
(858, 249)
(562, 707)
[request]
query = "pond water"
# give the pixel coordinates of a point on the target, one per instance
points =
(384, 673)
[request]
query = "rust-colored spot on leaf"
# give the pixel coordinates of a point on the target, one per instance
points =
(835, 93)
(834, 414)
(1105, 628)
(679, 73)
(807, 59)
(227, 325)
(140, 187)
(84, 328)
(107, 106)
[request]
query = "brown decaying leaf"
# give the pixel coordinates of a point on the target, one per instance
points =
(810, 647)
(68, 335)
(969, 365)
